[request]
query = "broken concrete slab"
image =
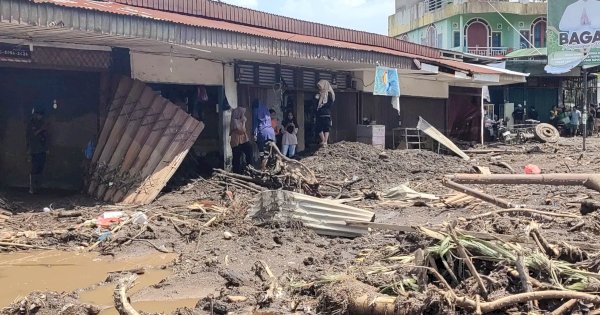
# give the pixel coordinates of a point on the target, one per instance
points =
(326, 217)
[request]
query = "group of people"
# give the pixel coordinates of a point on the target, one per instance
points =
(570, 119)
(267, 131)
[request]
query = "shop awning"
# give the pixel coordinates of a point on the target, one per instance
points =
(528, 52)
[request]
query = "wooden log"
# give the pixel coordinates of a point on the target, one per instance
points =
(68, 214)
(151, 143)
(591, 181)
(132, 125)
(478, 194)
(563, 309)
(9, 244)
(133, 150)
(157, 153)
(120, 298)
(116, 132)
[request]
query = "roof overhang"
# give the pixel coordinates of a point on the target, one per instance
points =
(117, 25)
(107, 24)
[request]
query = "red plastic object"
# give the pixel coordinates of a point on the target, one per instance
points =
(532, 169)
(105, 223)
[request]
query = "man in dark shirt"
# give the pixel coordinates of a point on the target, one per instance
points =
(532, 114)
(518, 115)
(37, 147)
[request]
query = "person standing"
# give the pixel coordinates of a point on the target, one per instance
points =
(37, 147)
(575, 121)
(533, 114)
(326, 98)
(240, 144)
(290, 136)
(276, 127)
(263, 130)
(518, 115)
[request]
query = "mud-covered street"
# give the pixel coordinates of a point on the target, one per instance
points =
(194, 252)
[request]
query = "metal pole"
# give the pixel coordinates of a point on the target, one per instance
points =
(585, 104)
(482, 119)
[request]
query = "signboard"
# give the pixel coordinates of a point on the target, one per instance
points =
(573, 34)
(15, 51)
(386, 82)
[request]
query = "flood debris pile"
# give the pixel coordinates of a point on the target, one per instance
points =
(353, 229)
(51, 303)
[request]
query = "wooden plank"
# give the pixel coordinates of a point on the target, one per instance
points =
(134, 121)
(153, 179)
(123, 90)
(115, 134)
(173, 166)
(158, 151)
(156, 134)
(152, 116)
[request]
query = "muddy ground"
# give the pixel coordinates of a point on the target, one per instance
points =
(219, 255)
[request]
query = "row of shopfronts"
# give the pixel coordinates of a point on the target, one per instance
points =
(73, 79)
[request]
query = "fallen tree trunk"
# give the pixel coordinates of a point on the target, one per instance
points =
(120, 296)
(591, 181)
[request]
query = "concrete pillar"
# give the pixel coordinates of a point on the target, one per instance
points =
(228, 92)
(299, 113)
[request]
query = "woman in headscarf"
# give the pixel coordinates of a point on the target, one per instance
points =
(263, 130)
(240, 144)
(326, 98)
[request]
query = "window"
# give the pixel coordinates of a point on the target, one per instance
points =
(523, 39)
(538, 30)
(431, 40)
(456, 39)
(496, 39)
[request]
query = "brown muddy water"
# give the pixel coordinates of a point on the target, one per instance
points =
(69, 271)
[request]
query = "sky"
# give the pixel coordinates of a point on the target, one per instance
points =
(364, 15)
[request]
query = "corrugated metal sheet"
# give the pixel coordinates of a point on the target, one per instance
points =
(143, 142)
(326, 217)
(108, 19)
(222, 11)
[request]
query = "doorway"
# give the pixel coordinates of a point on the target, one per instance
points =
(477, 34)
(70, 102)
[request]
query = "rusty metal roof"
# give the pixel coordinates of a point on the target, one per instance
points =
(231, 13)
(194, 21)
(117, 8)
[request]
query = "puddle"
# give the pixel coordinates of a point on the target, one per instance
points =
(68, 271)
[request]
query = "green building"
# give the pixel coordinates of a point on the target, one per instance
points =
(511, 33)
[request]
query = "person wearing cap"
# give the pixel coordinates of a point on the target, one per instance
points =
(37, 148)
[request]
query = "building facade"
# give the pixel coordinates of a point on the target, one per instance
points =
(206, 57)
(487, 28)
(511, 33)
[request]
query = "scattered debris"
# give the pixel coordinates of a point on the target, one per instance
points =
(326, 217)
(403, 192)
(424, 126)
(532, 169)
